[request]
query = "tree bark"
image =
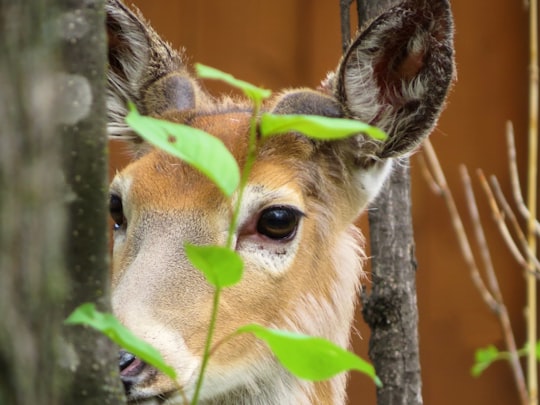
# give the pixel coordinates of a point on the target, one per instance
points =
(32, 216)
(390, 309)
(94, 365)
(369, 9)
(53, 237)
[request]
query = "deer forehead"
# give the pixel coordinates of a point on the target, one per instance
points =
(159, 183)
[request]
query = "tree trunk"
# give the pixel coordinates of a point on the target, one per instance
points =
(390, 308)
(53, 238)
(84, 57)
(369, 9)
(32, 215)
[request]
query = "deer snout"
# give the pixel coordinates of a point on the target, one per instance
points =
(131, 368)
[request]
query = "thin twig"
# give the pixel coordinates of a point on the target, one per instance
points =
(480, 236)
(509, 213)
(532, 173)
(514, 176)
(502, 312)
(428, 177)
(459, 229)
(499, 219)
(492, 299)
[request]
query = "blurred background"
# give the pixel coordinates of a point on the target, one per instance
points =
(291, 43)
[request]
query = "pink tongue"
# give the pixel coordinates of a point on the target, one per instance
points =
(133, 369)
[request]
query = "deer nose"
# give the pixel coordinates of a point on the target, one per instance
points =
(130, 365)
(130, 369)
(125, 360)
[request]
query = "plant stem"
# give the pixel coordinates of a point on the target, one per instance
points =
(532, 377)
(250, 159)
(208, 344)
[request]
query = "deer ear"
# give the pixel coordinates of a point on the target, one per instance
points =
(308, 102)
(143, 69)
(396, 73)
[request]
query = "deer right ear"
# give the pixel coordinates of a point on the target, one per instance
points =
(397, 72)
(143, 69)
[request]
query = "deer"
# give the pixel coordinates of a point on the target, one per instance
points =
(296, 233)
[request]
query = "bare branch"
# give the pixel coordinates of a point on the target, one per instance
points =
(502, 313)
(514, 176)
(498, 217)
(428, 177)
(459, 229)
(509, 213)
(480, 236)
(344, 6)
(493, 298)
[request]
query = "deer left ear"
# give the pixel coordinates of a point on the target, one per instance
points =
(397, 72)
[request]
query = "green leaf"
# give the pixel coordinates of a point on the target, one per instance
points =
(253, 92)
(198, 148)
(483, 359)
(317, 127)
(221, 266)
(307, 357)
(87, 314)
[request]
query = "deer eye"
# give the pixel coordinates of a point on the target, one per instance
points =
(117, 211)
(279, 222)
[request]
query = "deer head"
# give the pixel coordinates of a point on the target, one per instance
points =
(303, 255)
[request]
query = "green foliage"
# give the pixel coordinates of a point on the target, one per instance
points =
(483, 359)
(525, 350)
(317, 127)
(308, 357)
(221, 266)
(255, 93)
(198, 148)
(87, 314)
(313, 126)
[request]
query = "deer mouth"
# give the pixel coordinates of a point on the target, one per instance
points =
(133, 372)
(139, 380)
(130, 366)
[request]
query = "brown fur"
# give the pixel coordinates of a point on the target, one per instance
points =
(306, 283)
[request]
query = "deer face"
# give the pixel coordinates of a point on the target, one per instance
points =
(285, 236)
(302, 253)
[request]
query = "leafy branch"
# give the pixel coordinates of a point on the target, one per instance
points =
(484, 357)
(307, 357)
